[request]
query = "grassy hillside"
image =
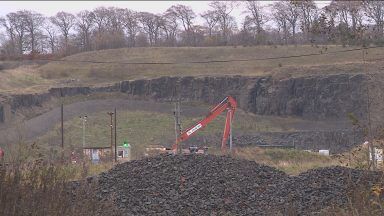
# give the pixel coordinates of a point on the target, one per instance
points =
(32, 78)
(96, 72)
(22, 79)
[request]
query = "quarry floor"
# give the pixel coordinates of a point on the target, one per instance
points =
(39, 125)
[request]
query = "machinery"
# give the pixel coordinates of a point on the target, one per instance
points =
(229, 104)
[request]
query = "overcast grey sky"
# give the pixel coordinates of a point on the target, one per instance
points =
(49, 8)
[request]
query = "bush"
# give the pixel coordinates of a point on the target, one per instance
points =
(36, 189)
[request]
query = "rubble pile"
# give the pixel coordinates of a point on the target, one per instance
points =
(317, 189)
(221, 185)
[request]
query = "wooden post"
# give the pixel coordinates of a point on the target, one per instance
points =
(111, 125)
(115, 136)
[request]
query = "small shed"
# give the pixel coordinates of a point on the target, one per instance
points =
(124, 152)
(97, 153)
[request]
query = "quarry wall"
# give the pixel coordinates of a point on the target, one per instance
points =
(314, 97)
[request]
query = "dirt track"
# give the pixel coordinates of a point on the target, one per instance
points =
(40, 125)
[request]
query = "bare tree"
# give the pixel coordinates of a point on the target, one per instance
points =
(211, 20)
(64, 21)
(247, 31)
(375, 11)
(101, 18)
(170, 28)
(308, 14)
(33, 24)
(293, 13)
(51, 34)
(287, 13)
(10, 31)
(348, 19)
(116, 19)
(185, 15)
(226, 21)
(84, 24)
(257, 13)
(151, 25)
(131, 24)
(17, 20)
(280, 17)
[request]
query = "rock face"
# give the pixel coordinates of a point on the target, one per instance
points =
(213, 185)
(5, 111)
(320, 97)
(308, 97)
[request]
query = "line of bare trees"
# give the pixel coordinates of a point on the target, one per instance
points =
(281, 22)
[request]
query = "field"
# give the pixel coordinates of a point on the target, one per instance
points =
(87, 73)
(143, 128)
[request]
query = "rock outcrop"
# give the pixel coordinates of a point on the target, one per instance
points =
(315, 97)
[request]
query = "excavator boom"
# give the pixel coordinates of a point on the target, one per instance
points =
(229, 104)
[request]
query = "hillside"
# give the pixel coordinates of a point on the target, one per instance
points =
(80, 71)
(96, 72)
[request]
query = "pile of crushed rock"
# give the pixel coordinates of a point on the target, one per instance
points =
(221, 185)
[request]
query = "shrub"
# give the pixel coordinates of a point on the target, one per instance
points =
(45, 189)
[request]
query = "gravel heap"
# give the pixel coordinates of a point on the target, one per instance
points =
(188, 185)
(314, 190)
(219, 185)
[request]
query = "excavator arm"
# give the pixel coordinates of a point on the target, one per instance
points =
(229, 104)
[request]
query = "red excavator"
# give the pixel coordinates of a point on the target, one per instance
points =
(229, 104)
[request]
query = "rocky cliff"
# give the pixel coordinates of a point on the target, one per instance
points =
(315, 97)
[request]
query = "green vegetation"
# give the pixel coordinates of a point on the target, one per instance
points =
(142, 128)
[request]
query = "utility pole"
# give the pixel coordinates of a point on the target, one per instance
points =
(176, 114)
(371, 148)
(115, 135)
(84, 119)
(111, 125)
(62, 125)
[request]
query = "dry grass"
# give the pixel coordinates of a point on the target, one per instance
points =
(290, 161)
(91, 73)
(32, 78)
(37, 189)
(22, 79)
